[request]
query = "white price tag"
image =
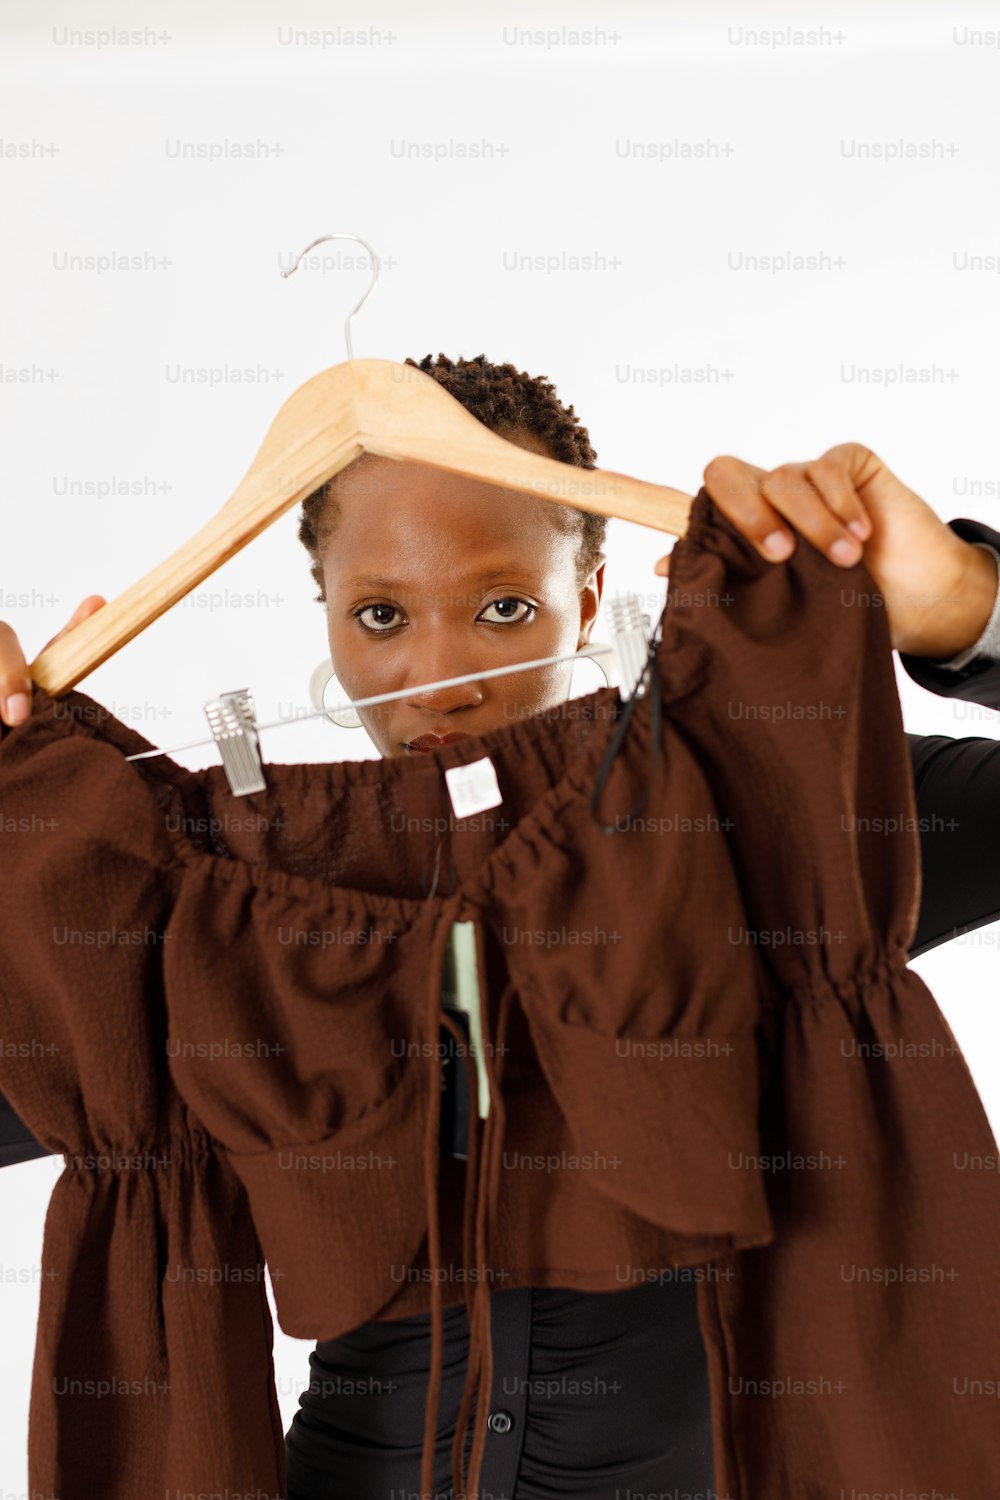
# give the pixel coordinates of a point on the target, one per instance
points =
(473, 788)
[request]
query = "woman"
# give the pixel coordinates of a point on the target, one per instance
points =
(427, 575)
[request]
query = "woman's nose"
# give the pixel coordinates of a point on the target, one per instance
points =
(444, 699)
(435, 665)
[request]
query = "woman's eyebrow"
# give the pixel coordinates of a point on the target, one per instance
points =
(371, 581)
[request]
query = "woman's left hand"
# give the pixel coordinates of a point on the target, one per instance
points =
(938, 590)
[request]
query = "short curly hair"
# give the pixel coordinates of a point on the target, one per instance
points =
(508, 402)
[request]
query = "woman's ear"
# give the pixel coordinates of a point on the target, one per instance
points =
(590, 600)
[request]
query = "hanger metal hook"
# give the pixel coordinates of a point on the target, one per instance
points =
(372, 285)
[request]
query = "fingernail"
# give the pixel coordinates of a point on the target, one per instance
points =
(844, 551)
(777, 544)
(859, 528)
(18, 708)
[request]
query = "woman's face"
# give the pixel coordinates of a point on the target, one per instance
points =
(430, 575)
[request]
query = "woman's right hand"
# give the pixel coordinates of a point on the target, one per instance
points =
(15, 681)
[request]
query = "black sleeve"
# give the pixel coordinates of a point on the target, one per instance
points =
(957, 785)
(979, 680)
(16, 1141)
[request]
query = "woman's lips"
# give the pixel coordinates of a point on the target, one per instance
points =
(432, 741)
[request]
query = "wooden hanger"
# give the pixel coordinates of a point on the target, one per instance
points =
(362, 406)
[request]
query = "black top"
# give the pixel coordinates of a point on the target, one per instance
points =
(595, 1393)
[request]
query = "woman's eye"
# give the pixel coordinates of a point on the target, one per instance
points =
(379, 612)
(380, 618)
(506, 612)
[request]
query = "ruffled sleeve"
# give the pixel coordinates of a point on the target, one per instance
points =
(153, 1369)
(857, 1351)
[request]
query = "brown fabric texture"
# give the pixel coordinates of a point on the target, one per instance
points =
(704, 1048)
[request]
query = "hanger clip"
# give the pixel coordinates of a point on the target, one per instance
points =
(234, 728)
(630, 638)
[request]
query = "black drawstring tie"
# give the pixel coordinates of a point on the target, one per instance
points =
(650, 669)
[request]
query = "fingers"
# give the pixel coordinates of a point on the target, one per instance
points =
(735, 487)
(89, 606)
(793, 495)
(15, 679)
(15, 684)
(818, 499)
(838, 485)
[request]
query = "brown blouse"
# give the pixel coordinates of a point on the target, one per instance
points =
(704, 1049)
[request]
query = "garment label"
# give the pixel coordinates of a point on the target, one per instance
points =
(473, 788)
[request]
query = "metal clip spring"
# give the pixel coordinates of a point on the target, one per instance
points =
(234, 729)
(630, 635)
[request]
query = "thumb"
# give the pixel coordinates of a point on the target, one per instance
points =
(83, 611)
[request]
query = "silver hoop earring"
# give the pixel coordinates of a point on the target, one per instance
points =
(598, 663)
(344, 718)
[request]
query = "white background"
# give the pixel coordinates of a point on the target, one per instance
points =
(556, 123)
